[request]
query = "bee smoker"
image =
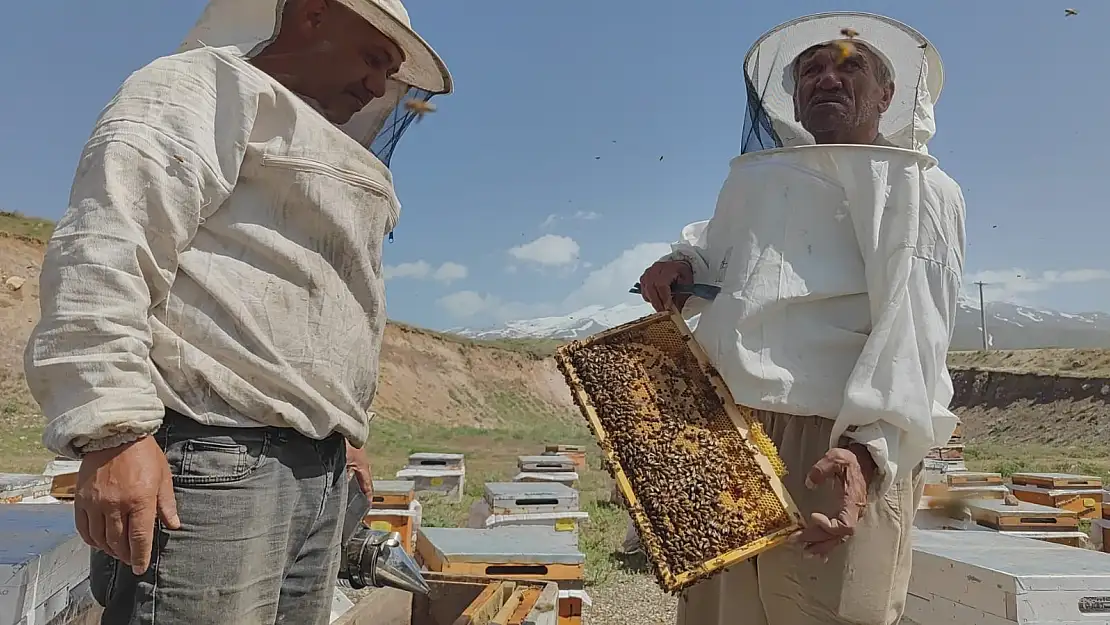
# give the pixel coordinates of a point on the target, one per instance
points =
(374, 558)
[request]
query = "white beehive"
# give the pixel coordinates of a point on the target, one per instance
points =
(567, 478)
(436, 473)
(988, 578)
(530, 497)
(547, 463)
(44, 564)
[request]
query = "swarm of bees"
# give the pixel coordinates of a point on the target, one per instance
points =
(420, 107)
(696, 481)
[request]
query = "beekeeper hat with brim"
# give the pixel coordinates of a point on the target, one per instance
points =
(248, 26)
(913, 62)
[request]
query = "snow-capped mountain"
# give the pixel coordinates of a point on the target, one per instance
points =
(1009, 326)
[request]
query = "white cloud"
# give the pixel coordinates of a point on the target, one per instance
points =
(550, 250)
(576, 215)
(1019, 286)
(605, 286)
(449, 272)
(466, 304)
(446, 273)
(608, 285)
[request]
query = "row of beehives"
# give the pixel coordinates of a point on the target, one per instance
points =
(445, 474)
(1053, 507)
(526, 529)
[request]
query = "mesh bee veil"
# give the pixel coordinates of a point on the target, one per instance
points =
(385, 119)
(914, 65)
(248, 26)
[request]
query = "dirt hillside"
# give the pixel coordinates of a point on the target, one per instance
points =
(425, 376)
(1050, 397)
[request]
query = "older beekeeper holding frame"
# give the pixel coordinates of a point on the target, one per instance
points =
(838, 244)
(213, 307)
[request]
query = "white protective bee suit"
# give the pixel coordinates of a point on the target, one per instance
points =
(840, 269)
(216, 283)
(222, 252)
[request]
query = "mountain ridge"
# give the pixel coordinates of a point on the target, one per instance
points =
(1009, 326)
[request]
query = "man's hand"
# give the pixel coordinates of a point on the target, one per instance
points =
(360, 467)
(120, 491)
(852, 470)
(655, 284)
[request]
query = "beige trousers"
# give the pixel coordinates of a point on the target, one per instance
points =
(864, 581)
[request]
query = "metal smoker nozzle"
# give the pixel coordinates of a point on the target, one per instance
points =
(376, 558)
(373, 557)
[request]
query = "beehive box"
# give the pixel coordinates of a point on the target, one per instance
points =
(985, 491)
(1070, 538)
(937, 470)
(393, 494)
(566, 478)
(1029, 517)
(973, 478)
(947, 452)
(435, 460)
(547, 463)
(446, 482)
(1106, 506)
(43, 562)
(1056, 480)
(63, 475)
(1085, 502)
(989, 578)
(577, 453)
(404, 522)
(1100, 534)
(505, 552)
(530, 497)
(558, 521)
(698, 475)
(15, 487)
(456, 599)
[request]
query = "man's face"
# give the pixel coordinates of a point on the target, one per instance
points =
(326, 52)
(840, 92)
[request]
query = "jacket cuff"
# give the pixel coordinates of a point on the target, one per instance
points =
(877, 440)
(114, 440)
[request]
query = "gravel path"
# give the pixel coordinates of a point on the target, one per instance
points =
(636, 600)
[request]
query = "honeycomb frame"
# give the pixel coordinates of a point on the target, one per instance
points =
(742, 419)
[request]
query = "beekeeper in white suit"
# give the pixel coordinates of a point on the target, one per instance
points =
(212, 307)
(838, 244)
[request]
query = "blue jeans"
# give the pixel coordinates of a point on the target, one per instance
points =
(261, 516)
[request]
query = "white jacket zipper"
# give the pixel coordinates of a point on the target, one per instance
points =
(344, 175)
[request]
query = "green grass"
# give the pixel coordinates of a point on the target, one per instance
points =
(21, 449)
(491, 456)
(1010, 459)
(21, 225)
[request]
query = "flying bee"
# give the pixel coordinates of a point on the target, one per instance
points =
(850, 33)
(420, 107)
(1070, 12)
(845, 50)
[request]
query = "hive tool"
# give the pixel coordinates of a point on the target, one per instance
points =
(374, 558)
(703, 291)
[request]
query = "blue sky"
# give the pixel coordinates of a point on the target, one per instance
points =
(507, 211)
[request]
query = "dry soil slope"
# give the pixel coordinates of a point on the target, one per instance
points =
(1054, 397)
(426, 377)
(1027, 396)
